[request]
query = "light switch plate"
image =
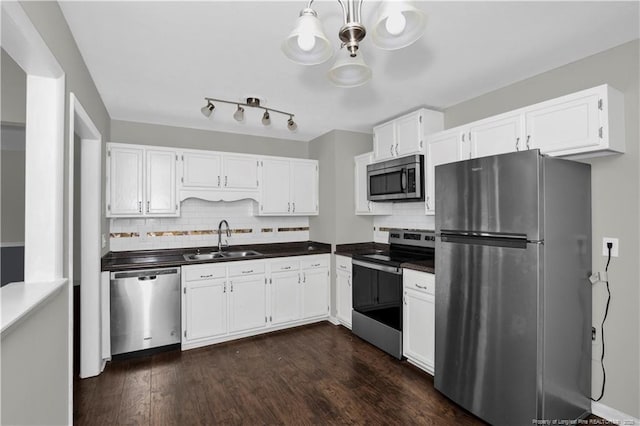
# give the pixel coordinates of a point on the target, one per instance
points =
(614, 249)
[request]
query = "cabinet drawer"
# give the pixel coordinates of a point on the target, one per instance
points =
(286, 264)
(312, 262)
(420, 281)
(343, 263)
(203, 272)
(246, 268)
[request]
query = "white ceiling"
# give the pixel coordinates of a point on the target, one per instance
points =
(154, 62)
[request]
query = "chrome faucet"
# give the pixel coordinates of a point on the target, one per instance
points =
(223, 221)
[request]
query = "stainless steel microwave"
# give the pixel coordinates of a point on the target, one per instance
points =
(400, 179)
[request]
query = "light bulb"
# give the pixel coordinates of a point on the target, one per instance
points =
(239, 114)
(306, 42)
(266, 119)
(395, 23)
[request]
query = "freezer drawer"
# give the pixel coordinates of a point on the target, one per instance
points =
(145, 309)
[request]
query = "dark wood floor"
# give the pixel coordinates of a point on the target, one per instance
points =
(317, 374)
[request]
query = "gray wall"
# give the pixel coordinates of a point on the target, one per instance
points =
(337, 222)
(615, 208)
(14, 91)
(155, 134)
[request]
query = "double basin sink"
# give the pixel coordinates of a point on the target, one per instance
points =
(192, 257)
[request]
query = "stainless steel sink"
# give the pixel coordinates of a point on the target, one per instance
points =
(247, 253)
(203, 256)
(220, 255)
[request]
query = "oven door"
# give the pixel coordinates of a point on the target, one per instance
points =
(377, 292)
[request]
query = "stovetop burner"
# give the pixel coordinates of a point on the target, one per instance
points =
(405, 246)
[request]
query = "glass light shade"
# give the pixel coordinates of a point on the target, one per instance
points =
(266, 119)
(239, 114)
(291, 125)
(415, 22)
(207, 109)
(307, 44)
(348, 71)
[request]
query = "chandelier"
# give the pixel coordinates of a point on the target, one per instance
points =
(396, 24)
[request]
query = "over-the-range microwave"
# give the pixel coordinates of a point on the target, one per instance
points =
(400, 179)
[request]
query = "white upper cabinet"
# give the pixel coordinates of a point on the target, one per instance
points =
(405, 135)
(590, 121)
(141, 181)
(304, 187)
(363, 205)
(240, 172)
(384, 141)
(125, 181)
(495, 135)
(445, 147)
(201, 170)
(288, 187)
(161, 183)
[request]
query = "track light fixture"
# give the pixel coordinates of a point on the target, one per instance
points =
(207, 109)
(238, 115)
(397, 24)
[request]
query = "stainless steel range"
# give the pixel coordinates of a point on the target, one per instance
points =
(377, 288)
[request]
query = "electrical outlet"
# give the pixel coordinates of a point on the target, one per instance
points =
(614, 249)
(104, 240)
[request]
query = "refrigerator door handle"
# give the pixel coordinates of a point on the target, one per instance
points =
(448, 233)
(485, 240)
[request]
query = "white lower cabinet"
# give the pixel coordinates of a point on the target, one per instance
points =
(418, 334)
(229, 300)
(344, 294)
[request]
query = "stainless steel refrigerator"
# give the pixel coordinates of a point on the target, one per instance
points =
(513, 298)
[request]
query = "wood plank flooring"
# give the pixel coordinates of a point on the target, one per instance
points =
(317, 374)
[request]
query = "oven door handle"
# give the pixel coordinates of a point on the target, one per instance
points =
(383, 268)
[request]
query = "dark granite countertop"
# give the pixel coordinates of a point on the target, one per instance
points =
(349, 250)
(140, 259)
(421, 265)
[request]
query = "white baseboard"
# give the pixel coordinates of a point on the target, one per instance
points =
(334, 321)
(613, 415)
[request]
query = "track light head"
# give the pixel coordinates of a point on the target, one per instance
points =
(207, 109)
(239, 114)
(291, 125)
(266, 119)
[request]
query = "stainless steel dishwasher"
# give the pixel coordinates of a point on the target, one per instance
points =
(145, 309)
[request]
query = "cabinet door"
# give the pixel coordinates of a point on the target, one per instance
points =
(201, 170)
(315, 292)
(364, 206)
(206, 309)
(125, 182)
(419, 328)
(343, 297)
(161, 183)
(247, 303)
(304, 187)
(240, 172)
(285, 297)
(498, 135)
(441, 149)
(274, 198)
(566, 123)
(409, 134)
(384, 141)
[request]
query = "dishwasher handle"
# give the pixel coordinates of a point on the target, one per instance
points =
(145, 274)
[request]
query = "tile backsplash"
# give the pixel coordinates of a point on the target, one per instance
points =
(404, 215)
(198, 226)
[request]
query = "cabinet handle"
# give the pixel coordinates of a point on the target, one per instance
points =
(247, 272)
(206, 276)
(148, 203)
(226, 179)
(369, 205)
(349, 282)
(289, 207)
(218, 181)
(428, 203)
(224, 289)
(298, 278)
(139, 206)
(422, 287)
(517, 144)
(397, 149)
(391, 149)
(304, 277)
(285, 267)
(231, 283)
(294, 207)
(528, 137)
